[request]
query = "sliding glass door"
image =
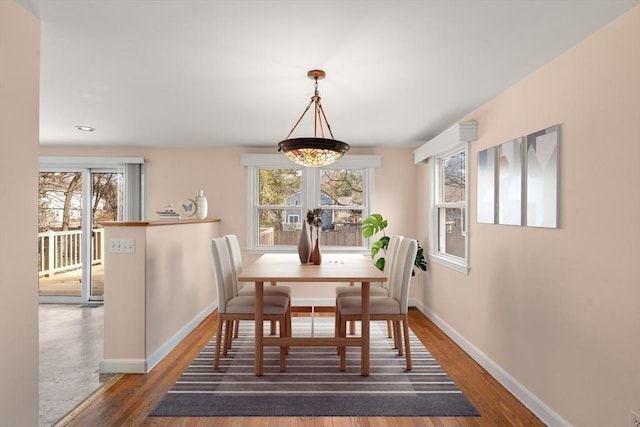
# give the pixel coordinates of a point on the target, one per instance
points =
(71, 205)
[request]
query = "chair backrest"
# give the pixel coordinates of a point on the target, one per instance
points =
(401, 278)
(223, 272)
(390, 258)
(236, 255)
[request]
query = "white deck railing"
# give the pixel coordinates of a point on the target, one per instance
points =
(59, 251)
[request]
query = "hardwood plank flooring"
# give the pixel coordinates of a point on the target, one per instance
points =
(69, 283)
(129, 401)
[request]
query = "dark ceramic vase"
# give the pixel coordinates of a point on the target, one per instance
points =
(316, 255)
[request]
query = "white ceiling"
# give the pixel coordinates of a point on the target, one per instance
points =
(222, 73)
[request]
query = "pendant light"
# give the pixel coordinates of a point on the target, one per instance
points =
(314, 151)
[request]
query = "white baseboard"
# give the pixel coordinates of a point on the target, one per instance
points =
(123, 366)
(531, 401)
(164, 349)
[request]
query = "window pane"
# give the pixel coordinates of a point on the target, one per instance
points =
(451, 240)
(453, 178)
(280, 187)
(279, 226)
(341, 187)
(341, 227)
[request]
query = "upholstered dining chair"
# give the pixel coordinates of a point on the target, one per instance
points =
(394, 307)
(248, 289)
(233, 307)
(374, 291)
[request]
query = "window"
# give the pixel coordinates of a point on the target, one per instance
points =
(447, 155)
(280, 193)
(293, 219)
(449, 241)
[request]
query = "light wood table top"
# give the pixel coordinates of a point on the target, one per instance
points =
(334, 268)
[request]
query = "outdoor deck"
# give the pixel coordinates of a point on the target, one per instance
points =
(69, 283)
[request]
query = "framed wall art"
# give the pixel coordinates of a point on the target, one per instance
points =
(542, 177)
(510, 182)
(517, 181)
(486, 207)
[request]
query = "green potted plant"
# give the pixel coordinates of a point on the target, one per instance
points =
(374, 224)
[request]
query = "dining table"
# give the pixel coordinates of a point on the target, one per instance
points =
(335, 268)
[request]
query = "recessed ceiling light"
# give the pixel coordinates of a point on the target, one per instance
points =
(86, 128)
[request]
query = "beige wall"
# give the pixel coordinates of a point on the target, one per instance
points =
(19, 85)
(125, 318)
(174, 174)
(180, 287)
(558, 310)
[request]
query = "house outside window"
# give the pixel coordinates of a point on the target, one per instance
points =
(281, 192)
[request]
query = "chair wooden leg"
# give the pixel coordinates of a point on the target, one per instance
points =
(337, 326)
(397, 337)
(283, 349)
(352, 324)
(288, 326)
(236, 329)
(343, 350)
(216, 357)
(391, 333)
(229, 339)
(407, 345)
(227, 336)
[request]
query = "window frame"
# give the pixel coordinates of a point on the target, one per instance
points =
(310, 197)
(437, 203)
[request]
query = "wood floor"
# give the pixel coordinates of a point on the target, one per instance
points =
(128, 401)
(69, 283)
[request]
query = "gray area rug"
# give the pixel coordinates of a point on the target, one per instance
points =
(313, 384)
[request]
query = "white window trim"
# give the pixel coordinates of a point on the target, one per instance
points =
(451, 261)
(256, 161)
(452, 140)
(87, 162)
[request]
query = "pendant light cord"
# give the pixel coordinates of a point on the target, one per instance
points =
(318, 113)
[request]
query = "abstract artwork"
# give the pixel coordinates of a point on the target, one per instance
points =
(510, 182)
(542, 178)
(518, 181)
(487, 185)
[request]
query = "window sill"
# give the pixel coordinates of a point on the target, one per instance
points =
(449, 262)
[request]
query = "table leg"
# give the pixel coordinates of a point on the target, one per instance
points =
(259, 352)
(364, 362)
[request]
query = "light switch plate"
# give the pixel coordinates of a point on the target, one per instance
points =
(121, 246)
